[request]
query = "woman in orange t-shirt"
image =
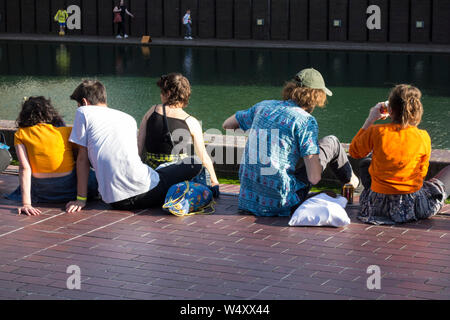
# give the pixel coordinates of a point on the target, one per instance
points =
(46, 160)
(396, 159)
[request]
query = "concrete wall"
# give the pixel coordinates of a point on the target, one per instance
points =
(296, 20)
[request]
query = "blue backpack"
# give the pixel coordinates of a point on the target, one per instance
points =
(188, 198)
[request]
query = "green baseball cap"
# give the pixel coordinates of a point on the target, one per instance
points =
(311, 78)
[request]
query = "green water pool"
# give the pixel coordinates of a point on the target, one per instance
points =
(224, 80)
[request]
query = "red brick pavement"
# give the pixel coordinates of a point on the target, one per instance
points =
(151, 254)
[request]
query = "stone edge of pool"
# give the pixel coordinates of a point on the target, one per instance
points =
(234, 148)
(235, 43)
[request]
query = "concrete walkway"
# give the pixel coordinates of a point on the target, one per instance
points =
(150, 254)
(303, 45)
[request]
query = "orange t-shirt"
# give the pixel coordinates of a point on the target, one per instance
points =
(48, 148)
(400, 157)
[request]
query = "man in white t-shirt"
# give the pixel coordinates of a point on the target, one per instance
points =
(107, 140)
(187, 22)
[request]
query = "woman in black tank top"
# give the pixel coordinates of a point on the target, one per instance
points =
(166, 131)
(157, 143)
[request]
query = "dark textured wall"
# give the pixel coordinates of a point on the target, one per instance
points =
(105, 17)
(138, 24)
(420, 11)
(261, 11)
(357, 17)
(155, 18)
(43, 17)
(297, 20)
(318, 20)
(13, 16)
(399, 21)
(279, 23)
(338, 11)
(2, 16)
(172, 18)
(224, 19)
(89, 17)
(243, 19)
(28, 16)
(441, 21)
(206, 18)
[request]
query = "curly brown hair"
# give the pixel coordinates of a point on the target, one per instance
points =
(176, 88)
(304, 97)
(405, 104)
(36, 110)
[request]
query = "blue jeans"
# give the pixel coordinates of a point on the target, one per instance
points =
(56, 190)
(188, 30)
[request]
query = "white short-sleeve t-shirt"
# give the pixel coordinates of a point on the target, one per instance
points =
(186, 18)
(111, 139)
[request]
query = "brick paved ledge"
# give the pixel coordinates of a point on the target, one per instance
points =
(151, 254)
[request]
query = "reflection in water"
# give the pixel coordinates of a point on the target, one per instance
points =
(145, 52)
(337, 65)
(119, 62)
(225, 80)
(187, 63)
(225, 66)
(419, 69)
(260, 62)
(62, 60)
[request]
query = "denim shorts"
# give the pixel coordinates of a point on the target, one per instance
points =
(56, 190)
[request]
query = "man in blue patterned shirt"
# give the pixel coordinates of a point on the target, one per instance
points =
(281, 133)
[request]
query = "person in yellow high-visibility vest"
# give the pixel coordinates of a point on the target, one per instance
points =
(61, 17)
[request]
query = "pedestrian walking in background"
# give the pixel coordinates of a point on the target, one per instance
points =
(187, 22)
(61, 17)
(120, 11)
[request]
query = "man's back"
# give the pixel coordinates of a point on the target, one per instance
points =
(280, 134)
(111, 139)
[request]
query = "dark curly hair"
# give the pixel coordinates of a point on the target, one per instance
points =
(176, 88)
(38, 110)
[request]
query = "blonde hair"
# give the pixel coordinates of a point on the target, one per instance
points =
(304, 97)
(405, 104)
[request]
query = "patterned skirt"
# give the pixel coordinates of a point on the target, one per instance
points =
(378, 208)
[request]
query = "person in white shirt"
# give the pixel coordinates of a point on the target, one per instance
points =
(187, 22)
(107, 140)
